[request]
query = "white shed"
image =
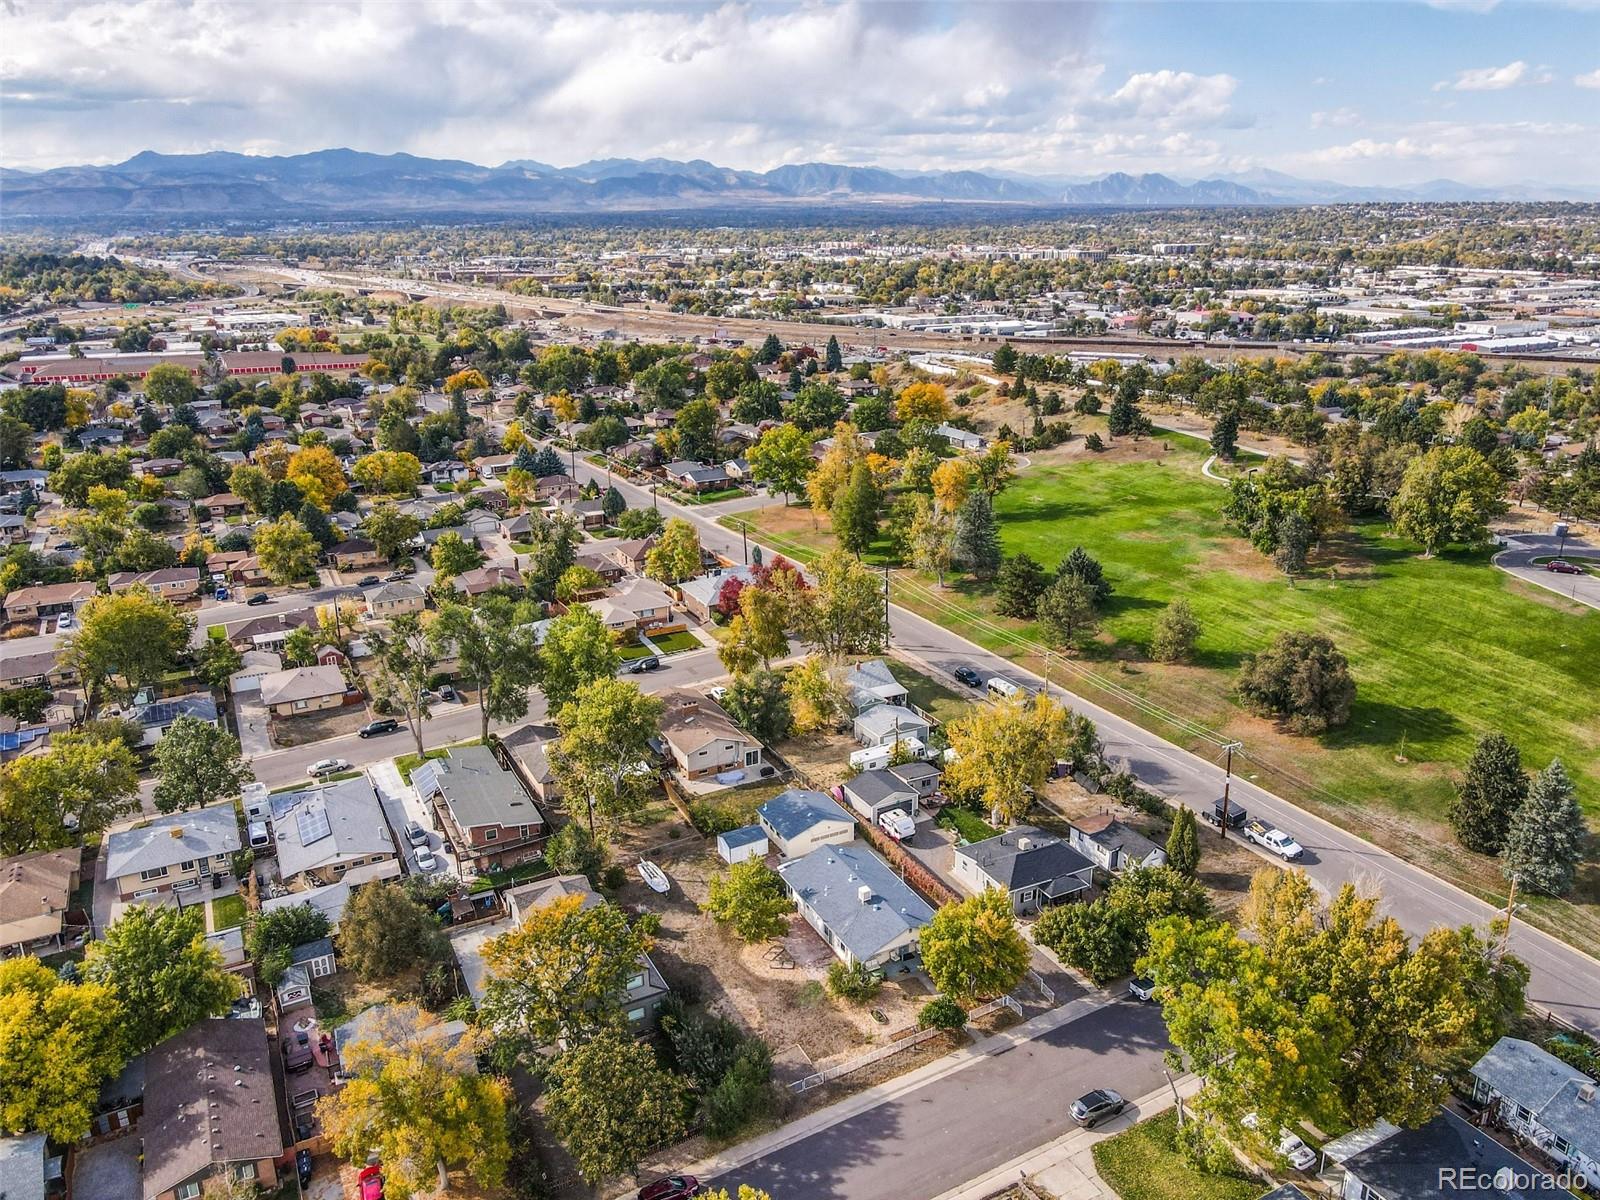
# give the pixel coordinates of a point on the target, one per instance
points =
(748, 841)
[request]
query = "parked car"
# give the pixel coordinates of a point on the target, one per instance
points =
(897, 823)
(302, 1165)
(673, 1187)
(394, 576)
(64, 622)
(1142, 989)
(222, 593)
(717, 693)
(648, 663)
(379, 727)
(1099, 1105)
(370, 1181)
(1276, 840)
(448, 694)
(297, 1052)
(327, 766)
(427, 860)
(416, 834)
(1301, 1156)
(258, 598)
(1562, 567)
(968, 676)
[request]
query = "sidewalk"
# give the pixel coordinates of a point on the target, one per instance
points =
(1064, 1168)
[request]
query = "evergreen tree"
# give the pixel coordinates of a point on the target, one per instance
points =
(1018, 585)
(548, 462)
(771, 349)
(1183, 843)
(1067, 609)
(832, 356)
(1490, 795)
(1080, 564)
(1547, 836)
(1175, 632)
(1293, 535)
(1225, 433)
(1124, 417)
(318, 525)
(976, 543)
(612, 504)
(855, 511)
(526, 459)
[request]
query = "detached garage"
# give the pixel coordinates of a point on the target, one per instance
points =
(748, 841)
(799, 821)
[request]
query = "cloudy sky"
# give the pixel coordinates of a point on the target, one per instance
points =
(1380, 92)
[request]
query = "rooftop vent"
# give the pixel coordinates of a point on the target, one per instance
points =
(1024, 843)
(864, 894)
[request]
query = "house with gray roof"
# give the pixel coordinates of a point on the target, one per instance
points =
(700, 594)
(1535, 1094)
(24, 1166)
(333, 832)
(873, 793)
(1444, 1159)
(858, 905)
(157, 716)
(330, 901)
(798, 821)
(372, 1022)
(886, 724)
(1112, 845)
(1032, 867)
(173, 852)
(871, 683)
(481, 807)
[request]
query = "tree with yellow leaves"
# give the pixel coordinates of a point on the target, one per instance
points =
(972, 949)
(317, 472)
(468, 380)
(1004, 752)
(833, 472)
(952, 481)
(923, 402)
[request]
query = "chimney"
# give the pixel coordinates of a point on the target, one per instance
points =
(176, 831)
(864, 894)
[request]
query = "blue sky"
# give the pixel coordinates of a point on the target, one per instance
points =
(1383, 92)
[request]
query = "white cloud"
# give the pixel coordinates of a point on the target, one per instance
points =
(1337, 118)
(1173, 97)
(1590, 80)
(1485, 79)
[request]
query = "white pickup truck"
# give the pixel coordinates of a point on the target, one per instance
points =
(1275, 840)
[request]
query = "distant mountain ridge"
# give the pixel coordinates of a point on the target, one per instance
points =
(352, 182)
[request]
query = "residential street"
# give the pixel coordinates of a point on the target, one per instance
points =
(1523, 548)
(1563, 979)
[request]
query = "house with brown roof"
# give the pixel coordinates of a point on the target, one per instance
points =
(170, 583)
(393, 599)
(636, 604)
(301, 690)
(236, 566)
(35, 891)
(46, 600)
(39, 669)
(630, 555)
(223, 504)
(210, 1110)
(702, 739)
(483, 579)
(355, 554)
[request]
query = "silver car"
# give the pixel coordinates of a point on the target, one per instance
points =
(1099, 1105)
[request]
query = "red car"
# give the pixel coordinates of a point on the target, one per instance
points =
(371, 1182)
(1562, 567)
(673, 1187)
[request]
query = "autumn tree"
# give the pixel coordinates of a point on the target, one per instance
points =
(922, 402)
(413, 1094)
(197, 764)
(163, 970)
(498, 653)
(610, 1103)
(972, 949)
(1494, 789)
(577, 649)
(676, 554)
(832, 472)
(750, 897)
(383, 931)
(126, 641)
(951, 482)
(319, 475)
(930, 539)
(388, 472)
(74, 789)
(1004, 752)
(1448, 496)
(844, 612)
(757, 633)
(287, 551)
(59, 1042)
(1548, 835)
(816, 699)
(406, 658)
(605, 735)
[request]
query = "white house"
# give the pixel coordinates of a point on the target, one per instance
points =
(1538, 1096)
(799, 821)
(858, 905)
(1113, 846)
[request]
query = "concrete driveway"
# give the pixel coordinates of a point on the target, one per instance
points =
(1522, 549)
(253, 721)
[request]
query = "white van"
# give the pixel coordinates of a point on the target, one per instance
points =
(1000, 686)
(260, 836)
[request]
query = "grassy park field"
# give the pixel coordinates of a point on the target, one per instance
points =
(1442, 649)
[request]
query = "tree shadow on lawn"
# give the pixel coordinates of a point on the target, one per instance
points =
(1120, 603)
(1378, 723)
(1056, 508)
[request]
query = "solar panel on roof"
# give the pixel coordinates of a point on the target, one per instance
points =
(312, 824)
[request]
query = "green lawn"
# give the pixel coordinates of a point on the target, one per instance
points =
(1143, 1163)
(966, 823)
(227, 911)
(675, 643)
(633, 652)
(522, 547)
(928, 694)
(408, 763)
(521, 873)
(1442, 649)
(713, 497)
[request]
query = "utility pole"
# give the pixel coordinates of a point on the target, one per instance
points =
(1227, 781)
(1511, 912)
(886, 605)
(744, 534)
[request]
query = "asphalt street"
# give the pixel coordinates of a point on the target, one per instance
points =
(956, 1127)
(1523, 548)
(1563, 979)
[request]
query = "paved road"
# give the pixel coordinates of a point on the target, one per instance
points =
(1523, 548)
(958, 1126)
(1564, 980)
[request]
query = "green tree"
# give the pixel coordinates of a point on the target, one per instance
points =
(1080, 564)
(1173, 637)
(562, 974)
(169, 385)
(73, 790)
(757, 702)
(164, 971)
(975, 544)
(1067, 609)
(498, 653)
(1448, 495)
(1494, 789)
(676, 554)
(578, 649)
(572, 850)
(844, 612)
(1105, 937)
(1018, 586)
(1123, 417)
(1292, 538)
(453, 555)
(390, 530)
(1225, 433)
(696, 428)
(197, 764)
(771, 349)
(972, 949)
(832, 356)
(1302, 680)
(605, 735)
(414, 1096)
(270, 936)
(406, 658)
(576, 580)
(383, 931)
(126, 641)
(1547, 837)
(1005, 359)
(750, 896)
(612, 504)
(59, 1042)
(1183, 842)
(287, 551)
(856, 510)
(930, 537)
(942, 1013)
(610, 1104)
(1004, 752)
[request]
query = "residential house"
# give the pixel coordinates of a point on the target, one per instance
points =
(449, 471)
(13, 529)
(608, 569)
(529, 748)
(872, 682)
(888, 724)
(738, 469)
(858, 905)
(493, 466)
(301, 690)
(1537, 1096)
(1113, 846)
(235, 566)
(38, 669)
(101, 437)
(645, 989)
(158, 468)
(254, 666)
(155, 717)
(481, 807)
(28, 479)
(429, 536)
(1442, 1160)
(391, 600)
(173, 852)
(638, 604)
(308, 962)
(357, 554)
(702, 739)
(372, 1022)
(1029, 865)
(589, 514)
(520, 527)
(799, 821)
(333, 832)
(873, 793)
(699, 595)
(555, 489)
(27, 1170)
(35, 893)
(271, 631)
(484, 579)
(46, 600)
(210, 1110)
(630, 555)
(961, 439)
(697, 477)
(222, 505)
(330, 901)
(171, 583)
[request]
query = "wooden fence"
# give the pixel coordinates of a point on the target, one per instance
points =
(839, 1070)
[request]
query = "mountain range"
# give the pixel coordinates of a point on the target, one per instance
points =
(329, 183)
